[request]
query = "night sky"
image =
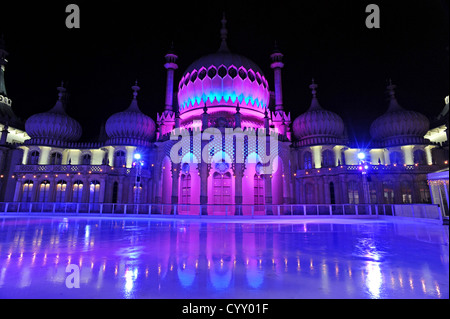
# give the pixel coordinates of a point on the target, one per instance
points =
(121, 41)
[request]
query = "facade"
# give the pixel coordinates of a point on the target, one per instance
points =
(315, 162)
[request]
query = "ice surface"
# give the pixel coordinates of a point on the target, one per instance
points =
(200, 258)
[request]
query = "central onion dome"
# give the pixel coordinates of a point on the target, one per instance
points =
(130, 124)
(318, 126)
(55, 124)
(223, 78)
(399, 126)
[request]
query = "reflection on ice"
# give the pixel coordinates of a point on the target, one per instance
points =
(164, 259)
(373, 279)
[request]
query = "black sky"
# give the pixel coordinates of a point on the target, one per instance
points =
(121, 41)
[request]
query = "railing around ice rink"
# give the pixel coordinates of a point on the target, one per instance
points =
(427, 211)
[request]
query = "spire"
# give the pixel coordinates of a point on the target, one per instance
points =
(223, 35)
(314, 102)
(393, 104)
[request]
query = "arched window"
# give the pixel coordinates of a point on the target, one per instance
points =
(406, 192)
(94, 192)
(77, 191)
(353, 194)
(328, 158)
(309, 193)
(61, 191)
(388, 192)
(258, 193)
(120, 159)
(307, 160)
(420, 157)
(44, 191)
(396, 158)
(332, 194)
(27, 191)
(86, 160)
(33, 158)
(55, 158)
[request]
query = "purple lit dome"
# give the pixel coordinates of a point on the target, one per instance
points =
(131, 123)
(317, 125)
(223, 79)
(54, 124)
(398, 125)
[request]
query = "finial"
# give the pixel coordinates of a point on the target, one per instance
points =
(313, 87)
(135, 89)
(275, 47)
(314, 102)
(61, 89)
(393, 104)
(171, 48)
(223, 34)
(205, 110)
(237, 107)
(391, 88)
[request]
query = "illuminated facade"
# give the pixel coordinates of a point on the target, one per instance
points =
(316, 163)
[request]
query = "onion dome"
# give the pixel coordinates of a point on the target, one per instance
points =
(318, 126)
(399, 126)
(130, 124)
(223, 79)
(54, 125)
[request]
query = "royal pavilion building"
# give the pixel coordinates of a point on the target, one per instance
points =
(44, 161)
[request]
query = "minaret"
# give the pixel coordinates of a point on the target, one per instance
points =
(171, 66)
(166, 121)
(277, 65)
(3, 62)
(280, 119)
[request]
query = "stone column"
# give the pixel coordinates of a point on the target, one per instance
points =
(238, 172)
(85, 191)
(175, 182)
(268, 193)
(344, 190)
(101, 197)
(17, 193)
(204, 187)
(203, 167)
(69, 186)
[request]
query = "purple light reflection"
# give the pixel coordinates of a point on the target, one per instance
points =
(137, 258)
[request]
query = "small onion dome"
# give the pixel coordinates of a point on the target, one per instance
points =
(318, 126)
(130, 124)
(54, 124)
(399, 126)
